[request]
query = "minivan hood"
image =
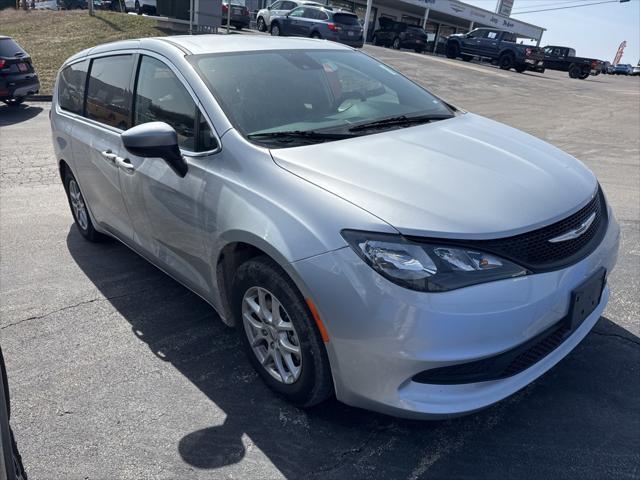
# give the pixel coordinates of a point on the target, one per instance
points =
(465, 177)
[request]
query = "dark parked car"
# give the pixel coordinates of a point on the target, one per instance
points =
(498, 45)
(400, 35)
(622, 69)
(320, 22)
(240, 17)
(11, 467)
(565, 60)
(17, 76)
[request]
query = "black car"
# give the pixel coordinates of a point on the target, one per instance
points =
(564, 59)
(400, 35)
(319, 22)
(11, 467)
(240, 16)
(17, 76)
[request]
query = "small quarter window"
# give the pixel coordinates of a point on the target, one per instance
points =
(71, 87)
(108, 94)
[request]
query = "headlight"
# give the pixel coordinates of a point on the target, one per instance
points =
(429, 267)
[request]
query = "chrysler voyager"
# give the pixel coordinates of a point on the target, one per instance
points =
(367, 239)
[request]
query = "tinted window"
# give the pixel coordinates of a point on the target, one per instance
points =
(330, 89)
(161, 97)
(9, 48)
(509, 37)
(476, 33)
(345, 19)
(71, 87)
(108, 94)
(288, 5)
(298, 12)
(276, 5)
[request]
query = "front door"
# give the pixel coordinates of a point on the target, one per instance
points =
(96, 141)
(168, 211)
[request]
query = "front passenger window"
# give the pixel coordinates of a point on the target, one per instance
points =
(161, 97)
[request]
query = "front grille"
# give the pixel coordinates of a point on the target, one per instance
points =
(533, 249)
(500, 366)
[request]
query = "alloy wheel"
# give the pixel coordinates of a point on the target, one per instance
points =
(271, 334)
(78, 205)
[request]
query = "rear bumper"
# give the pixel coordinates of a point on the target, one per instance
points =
(12, 88)
(238, 20)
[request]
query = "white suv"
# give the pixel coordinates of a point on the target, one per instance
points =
(281, 7)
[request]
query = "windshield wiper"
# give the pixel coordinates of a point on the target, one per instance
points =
(401, 120)
(292, 135)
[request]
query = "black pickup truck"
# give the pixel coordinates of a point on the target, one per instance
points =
(565, 60)
(498, 45)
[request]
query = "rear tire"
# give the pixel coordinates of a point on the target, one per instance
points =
(520, 68)
(396, 44)
(375, 41)
(467, 58)
(303, 378)
(238, 27)
(506, 61)
(574, 71)
(452, 51)
(262, 26)
(79, 209)
(316, 35)
(275, 30)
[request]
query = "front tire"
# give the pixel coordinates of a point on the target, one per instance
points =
(279, 334)
(452, 51)
(262, 26)
(79, 209)
(574, 71)
(396, 43)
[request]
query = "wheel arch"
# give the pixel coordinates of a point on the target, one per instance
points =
(239, 248)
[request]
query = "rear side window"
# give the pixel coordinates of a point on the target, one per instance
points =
(71, 87)
(345, 19)
(108, 94)
(9, 47)
(161, 97)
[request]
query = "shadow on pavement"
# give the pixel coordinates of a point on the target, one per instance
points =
(580, 420)
(10, 115)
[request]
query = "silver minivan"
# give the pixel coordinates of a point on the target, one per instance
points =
(367, 239)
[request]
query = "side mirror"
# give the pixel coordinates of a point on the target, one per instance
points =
(269, 8)
(156, 140)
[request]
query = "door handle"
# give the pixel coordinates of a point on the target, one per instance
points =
(125, 164)
(109, 156)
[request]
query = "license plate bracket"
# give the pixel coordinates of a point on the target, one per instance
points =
(585, 298)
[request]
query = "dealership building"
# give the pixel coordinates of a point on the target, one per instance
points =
(440, 18)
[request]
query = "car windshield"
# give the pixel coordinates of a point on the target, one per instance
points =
(311, 90)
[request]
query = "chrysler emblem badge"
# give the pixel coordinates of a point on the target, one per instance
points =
(576, 232)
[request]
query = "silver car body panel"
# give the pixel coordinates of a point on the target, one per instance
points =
(464, 177)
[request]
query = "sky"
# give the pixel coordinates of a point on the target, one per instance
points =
(594, 31)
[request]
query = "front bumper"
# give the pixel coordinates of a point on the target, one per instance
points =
(381, 335)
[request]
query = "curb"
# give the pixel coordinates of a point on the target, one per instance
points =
(40, 98)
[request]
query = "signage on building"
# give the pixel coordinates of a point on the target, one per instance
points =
(480, 16)
(504, 7)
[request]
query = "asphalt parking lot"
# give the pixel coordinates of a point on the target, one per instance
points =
(116, 371)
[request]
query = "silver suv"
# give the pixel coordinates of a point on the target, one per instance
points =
(366, 239)
(279, 8)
